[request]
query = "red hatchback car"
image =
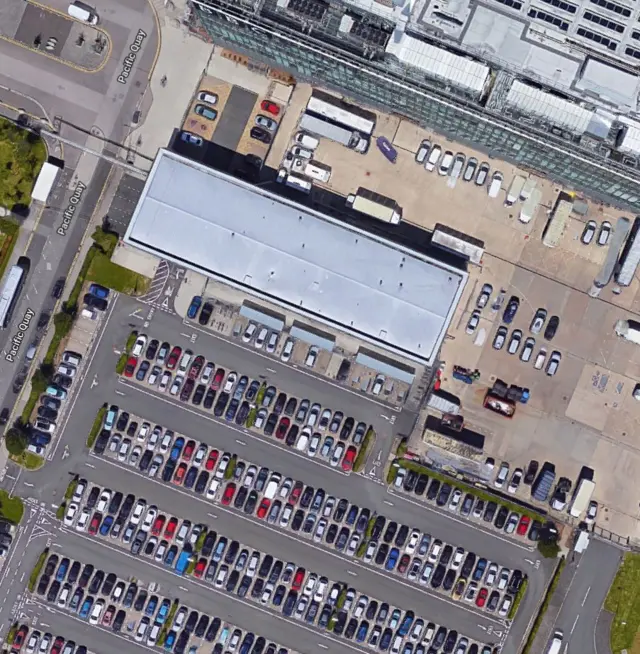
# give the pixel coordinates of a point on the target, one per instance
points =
(57, 645)
(19, 638)
(130, 367)
(282, 427)
(187, 453)
(481, 600)
(229, 492)
(174, 357)
(201, 566)
(170, 529)
(271, 107)
(178, 475)
(523, 525)
(349, 458)
(296, 584)
(263, 508)
(217, 380)
(158, 525)
(95, 523)
(296, 492)
(212, 459)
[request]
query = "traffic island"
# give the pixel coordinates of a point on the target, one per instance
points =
(37, 569)
(97, 426)
(11, 508)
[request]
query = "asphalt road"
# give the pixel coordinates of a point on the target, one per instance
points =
(579, 613)
(48, 484)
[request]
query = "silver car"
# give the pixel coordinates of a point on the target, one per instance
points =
(266, 122)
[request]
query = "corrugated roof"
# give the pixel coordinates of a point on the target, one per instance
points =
(441, 64)
(631, 140)
(281, 251)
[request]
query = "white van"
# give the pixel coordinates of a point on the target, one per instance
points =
(81, 11)
(318, 171)
(153, 635)
(434, 157)
(556, 643)
(294, 181)
(272, 486)
(306, 141)
(496, 184)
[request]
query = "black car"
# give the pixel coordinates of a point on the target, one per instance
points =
(292, 435)
(447, 552)
(515, 582)
(372, 609)
(410, 481)
(127, 602)
(434, 488)
(265, 566)
(439, 638)
(421, 485)
(318, 500)
(190, 478)
(101, 442)
(352, 625)
(449, 579)
(381, 554)
(490, 511)
(323, 621)
(74, 571)
(52, 564)
(280, 403)
(401, 537)
(510, 310)
(378, 526)
(279, 594)
(46, 413)
(492, 604)
(213, 629)
(290, 406)
(109, 583)
(450, 642)
(252, 500)
(443, 495)
(501, 517)
(152, 350)
(198, 395)
(332, 532)
(201, 483)
(202, 625)
(532, 471)
(298, 517)
(343, 538)
(243, 413)
(116, 501)
(209, 542)
(383, 614)
(352, 515)
(244, 586)
(168, 470)
(467, 566)
(362, 522)
(54, 589)
(271, 423)
(97, 302)
(260, 135)
(58, 287)
(241, 497)
(390, 532)
(218, 410)
(87, 571)
(290, 602)
(338, 628)
(205, 314)
(50, 402)
(467, 504)
(43, 584)
(551, 328)
(191, 622)
(341, 509)
(209, 399)
(534, 531)
(62, 380)
(307, 496)
(141, 600)
(145, 460)
(261, 479)
(438, 576)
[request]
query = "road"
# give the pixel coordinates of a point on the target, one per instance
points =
(49, 483)
(86, 104)
(579, 612)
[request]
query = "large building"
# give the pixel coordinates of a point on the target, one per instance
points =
(311, 265)
(535, 82)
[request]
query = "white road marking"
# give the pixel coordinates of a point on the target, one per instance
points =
(575, 623)
(352, 573)
(586, 595)
(388, 503)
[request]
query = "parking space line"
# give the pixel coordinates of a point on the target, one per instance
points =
(233, 427)
(273, 360)
(309, 543)
(211, 588)
(466, 523)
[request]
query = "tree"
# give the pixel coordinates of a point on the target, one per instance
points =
(548, 548)
(16, 441)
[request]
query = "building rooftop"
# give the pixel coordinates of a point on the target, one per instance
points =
(285, 253)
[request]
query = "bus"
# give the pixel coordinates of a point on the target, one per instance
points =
(558, 221)
(630, 256)
(327, 106)
(375, 205)
(11, 289)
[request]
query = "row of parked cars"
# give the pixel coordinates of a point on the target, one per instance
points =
(231, 567)
(305, 426)
(104, 600)
(467, 505)
(35, 642)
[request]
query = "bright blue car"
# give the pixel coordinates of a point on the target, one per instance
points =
(194, 307)
(392, 559)
(176, 450)
(99, 291)
(106, 525)
(85, 609)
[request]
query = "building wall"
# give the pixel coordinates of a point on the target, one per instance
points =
(461, 120)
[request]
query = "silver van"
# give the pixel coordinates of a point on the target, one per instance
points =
(81, 11)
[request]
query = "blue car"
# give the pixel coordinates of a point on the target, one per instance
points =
(99, 291)
(481, 566)
(62, 570)
(392, 559)
(163, 611)
(362, 632)
(170, 556)
(152, 605)
(105, 527)
(170, 640)
(176, 450)
(194, 307)
(510, 310)
(85, 609)
(406, 623)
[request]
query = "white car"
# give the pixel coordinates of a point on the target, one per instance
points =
(230, 382)
(445, 163)
(352, 547)
(185, 360)
(272, 342)
(175, 387)
(473, 322)
(303, 440)
(312, 356)
(287, 350)
(83, 520)
(81, 489)
(96, 612)
(516, 478)
(33, 642)
(134, 457)
(320, 589)
(249, 332)
(314, 443)
(70, 514)
(503, 611)
(45, 644)
(123, 452)
(313, 416)
(456, 498)
(414, 539)
(502, 475)
(161, 551)
(492, 572)
(456, 561)
(64, 596)
(337, 455)
(207, 373)
(214, 484)
(154, 375)
(261, 338)
(138, 510)
(310, 584)
(139, 346)
(103, 501)
(321, 528)
(222, 466)
(370, 552)
(143, 432)
(285, 517)
(165, 380)
(166, 441)
(250, 476)
(149, 518)
(66, 369)
(527, 350)
(181, 536)
(592, 512)
(553, 364)
(503, 579)
(200, 455)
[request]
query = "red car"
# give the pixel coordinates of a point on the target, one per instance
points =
(212, 459)
(187, 453)
(174, 357)
(94, 525)
(57, 645)
(282, 427)
(158, 525)
(523, 525)
(229, 492)
(404, 563)
(481, 600)
(178, 475)
(19, 638)
(170, 529)
(264, 507)
(130, 368)
(201, 566)
(349, 458)
(196, 367)
(271, 107)
(296, 492)
(217, 380)
(108, 615)
(296, 584)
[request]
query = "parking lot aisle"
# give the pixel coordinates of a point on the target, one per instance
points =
(291, 547)
(203, 597)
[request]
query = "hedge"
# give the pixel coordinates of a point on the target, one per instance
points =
(200, 542)
(121, 363)
(60, 511)
(518, 598)
(361, 458)
(97, 426)
(362, 548)
(231, 468)
(37, 569)
(71, 488)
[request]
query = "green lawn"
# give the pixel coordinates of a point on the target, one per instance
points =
(624, 601)
(9, 229)
(103, 271)
(11, 508)
(22, 154)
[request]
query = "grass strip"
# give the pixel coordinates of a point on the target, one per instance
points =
(60, 511)
(11, 508)
(200, 542)
(518, 598)
(544, 606)
(623, 601)
(9, 229)
(121, 363)
(97, 426)
(106, 273)
(361, 458)
(28, 460)
(231, 468)
(165, 627)
(362, 548)
(37, 569)
(11, 636)
(71, 489)
(39, 383)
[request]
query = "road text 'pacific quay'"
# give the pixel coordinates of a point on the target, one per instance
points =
(17, 339)
(130, 59)
(70, 211)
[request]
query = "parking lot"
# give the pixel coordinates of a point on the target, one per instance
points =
(386, 573)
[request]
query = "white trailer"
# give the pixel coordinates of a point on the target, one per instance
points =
(514, 190)
(582, 497)
(530, 206)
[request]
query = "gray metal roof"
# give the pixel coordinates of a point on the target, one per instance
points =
(309, 263)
